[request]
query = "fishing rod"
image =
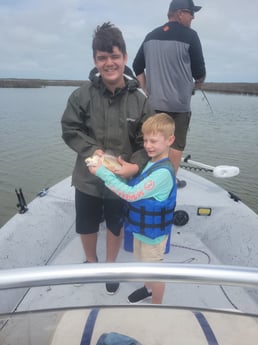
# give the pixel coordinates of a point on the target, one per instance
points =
(221, 171)
(205, 97)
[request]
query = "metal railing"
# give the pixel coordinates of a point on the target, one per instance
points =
(101, 272)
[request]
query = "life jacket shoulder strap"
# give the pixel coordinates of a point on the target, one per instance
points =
(163, 163)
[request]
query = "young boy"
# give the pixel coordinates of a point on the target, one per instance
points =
(151, 199)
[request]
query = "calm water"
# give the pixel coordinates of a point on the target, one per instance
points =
(33, 155)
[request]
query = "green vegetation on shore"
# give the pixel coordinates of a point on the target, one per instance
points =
(36, 83)
(238, 88)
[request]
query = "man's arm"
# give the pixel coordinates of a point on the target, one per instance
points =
(197, 61)
(198, 83)
(142, 81)
(74, 132)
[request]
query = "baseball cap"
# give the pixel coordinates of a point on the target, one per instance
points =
(183, 5)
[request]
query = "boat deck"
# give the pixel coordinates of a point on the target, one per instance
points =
(184, 249)
(186, 313)
(203, 240)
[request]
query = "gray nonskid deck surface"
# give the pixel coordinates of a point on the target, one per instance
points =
(185, 248)
(202, 240)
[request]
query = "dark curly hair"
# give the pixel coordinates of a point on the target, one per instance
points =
(106, 37)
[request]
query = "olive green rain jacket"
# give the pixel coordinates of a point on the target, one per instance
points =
(96, 119)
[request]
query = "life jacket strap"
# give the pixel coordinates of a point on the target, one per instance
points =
(151, 213)
(141, 224)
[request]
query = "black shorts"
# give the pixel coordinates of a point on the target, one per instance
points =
(90, 211)
(182, 121)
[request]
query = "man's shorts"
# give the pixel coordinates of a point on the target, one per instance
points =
(149, 252)
(182, 121)
(90, 211)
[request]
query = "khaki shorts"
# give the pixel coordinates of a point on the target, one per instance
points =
(149, 252)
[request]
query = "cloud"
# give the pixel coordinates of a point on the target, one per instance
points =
(52, 39)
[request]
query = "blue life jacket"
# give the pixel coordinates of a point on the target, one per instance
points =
(150, 217)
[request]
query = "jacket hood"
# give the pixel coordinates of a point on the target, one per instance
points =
(131, 81)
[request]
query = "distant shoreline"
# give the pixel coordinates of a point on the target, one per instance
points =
(235, 88)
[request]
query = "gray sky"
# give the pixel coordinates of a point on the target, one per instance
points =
(51, 39)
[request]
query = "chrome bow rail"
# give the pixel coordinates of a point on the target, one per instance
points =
(101, 272)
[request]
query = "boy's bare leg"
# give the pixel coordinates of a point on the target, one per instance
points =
(89, 243)
(157, 289)
(113, 245)
(175, 158)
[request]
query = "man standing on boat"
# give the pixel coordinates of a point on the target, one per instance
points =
(104, 114)
(166, 64)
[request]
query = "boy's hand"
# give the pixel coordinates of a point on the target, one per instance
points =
(93, 163)
(127, 169)
(93, 169)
